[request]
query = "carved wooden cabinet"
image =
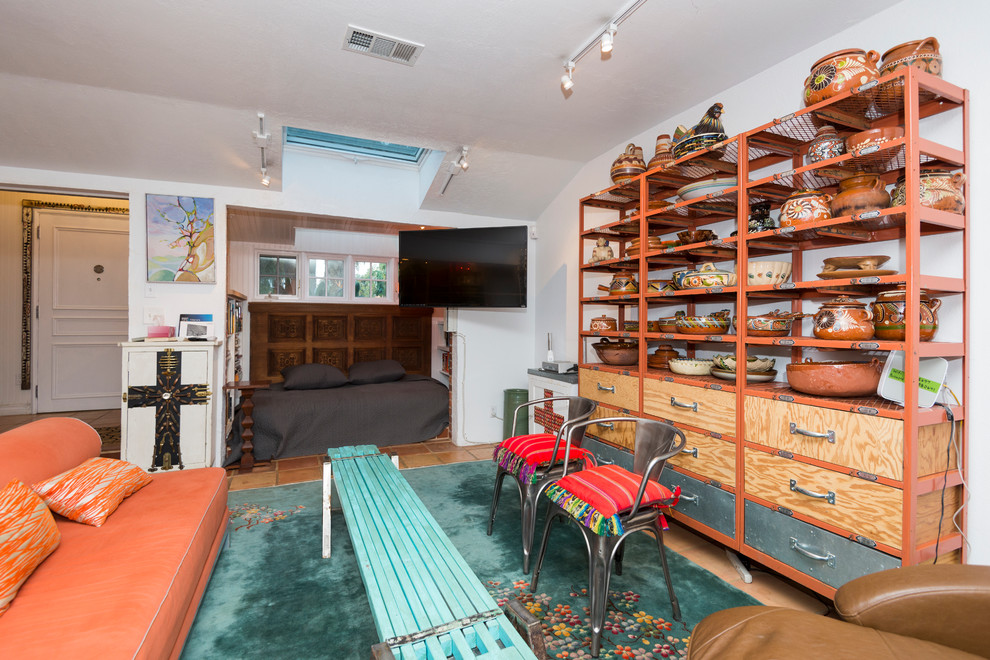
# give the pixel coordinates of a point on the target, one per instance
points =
(167, 404)
(821, 489)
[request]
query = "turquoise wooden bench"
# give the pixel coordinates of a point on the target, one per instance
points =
(426, 600)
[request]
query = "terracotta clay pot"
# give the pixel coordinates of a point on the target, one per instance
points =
(940, 189)
(669, 323)
(603, 324)
(859, 193)
(845, 319)
(888, 315)
(835, 378)
(839, 71)
(922, 54)
(805, 206)
(659, 358)
(617, 352)
(827, 144)
(663, 154)
(629, 164)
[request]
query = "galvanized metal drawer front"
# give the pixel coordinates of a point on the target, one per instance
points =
(825, 556)
(707, 504)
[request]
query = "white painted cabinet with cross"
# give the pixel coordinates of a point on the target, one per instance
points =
(547, 417)
(167, 404)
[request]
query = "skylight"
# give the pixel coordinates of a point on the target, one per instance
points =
(353, 146)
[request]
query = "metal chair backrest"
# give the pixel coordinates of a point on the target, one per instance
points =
(579, 409)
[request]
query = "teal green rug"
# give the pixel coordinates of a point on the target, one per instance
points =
(273, 596)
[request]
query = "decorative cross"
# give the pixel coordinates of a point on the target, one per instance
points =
(167, 395)
(546, 417)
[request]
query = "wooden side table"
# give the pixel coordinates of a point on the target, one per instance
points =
(247, 389)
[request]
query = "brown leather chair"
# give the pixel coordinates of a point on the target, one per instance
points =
(913, 612)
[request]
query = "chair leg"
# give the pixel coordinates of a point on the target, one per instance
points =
(530, 505)
(601, 553)
(675, 606)
(499, 476)
(619, 554)
(552, 515)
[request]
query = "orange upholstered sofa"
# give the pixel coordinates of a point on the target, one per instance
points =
(127, 589)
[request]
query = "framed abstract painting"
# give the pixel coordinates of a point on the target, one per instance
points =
(180, 239)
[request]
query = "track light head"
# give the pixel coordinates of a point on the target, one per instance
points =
(265, 179)
(608, 38)
(567, 80)
(463, 161)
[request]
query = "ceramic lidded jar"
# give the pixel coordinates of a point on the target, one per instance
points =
(805, 206)
(663, 154)
(940, 189)
(838, 72)
(759, 217)
(845, 319)
(603, 324)
(629, 164)
(888, 315)
(827, 144)
(860, 193)
(662, 356)
(922, 54)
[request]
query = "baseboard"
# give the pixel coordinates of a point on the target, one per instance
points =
(16, 409)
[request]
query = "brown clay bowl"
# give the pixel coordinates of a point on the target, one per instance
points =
(835, 378)
(695, 236)
(873, 136)
(617, 352)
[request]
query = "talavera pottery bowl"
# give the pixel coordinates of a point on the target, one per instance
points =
(835, 378)
(768, 272)
(690, 366)
(707, 276)
(874, 136)
(751, 377)
(713, 324)
(774, 324)
(617, 352)
(715, 184)
(753, 363)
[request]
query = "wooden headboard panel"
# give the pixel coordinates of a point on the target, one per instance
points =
(283, 334)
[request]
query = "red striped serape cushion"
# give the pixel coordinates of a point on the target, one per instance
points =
(521, 455)
(595, 497)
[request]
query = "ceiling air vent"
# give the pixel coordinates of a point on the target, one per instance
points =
(382, 46)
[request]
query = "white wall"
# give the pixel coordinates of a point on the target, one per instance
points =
(959, 26)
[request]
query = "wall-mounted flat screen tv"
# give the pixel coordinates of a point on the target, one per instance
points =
(477, 267)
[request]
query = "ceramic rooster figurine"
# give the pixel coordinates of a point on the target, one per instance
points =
(710, 123)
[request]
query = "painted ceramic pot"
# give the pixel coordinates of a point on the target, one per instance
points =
(922, 54)
(827, 144)
(805, 206)
(845, 319)
(603, 324)
(859, 193)
(669, 323)
(621, 283)
(663, 155)
(888, 315)
(629, 164)
(707, 276)
(838, 72)
(759, 217)
(940, 189)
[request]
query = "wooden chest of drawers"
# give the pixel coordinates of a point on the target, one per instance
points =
(700, 407)
(614, 389)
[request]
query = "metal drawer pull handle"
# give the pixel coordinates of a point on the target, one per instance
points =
(828, 497)
(828, 557)
(693, 451)
(610, 426)
(828, 435)
(606, 389)
(678, 404)
(693, 499)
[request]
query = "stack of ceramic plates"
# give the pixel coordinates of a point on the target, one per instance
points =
(652, 243)
(711, 185)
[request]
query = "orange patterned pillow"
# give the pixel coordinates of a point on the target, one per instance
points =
(91, 491)
(27, 535)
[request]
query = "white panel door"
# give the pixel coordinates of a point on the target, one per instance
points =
(81, 313)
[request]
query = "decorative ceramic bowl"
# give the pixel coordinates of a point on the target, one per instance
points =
(835, 378)
(690, 366)
(940, 189)
(713, 324)
(922, 54)
(768, 272)
(659, 358)
(696, 236)
(753, 363)
(715, 184)
(774, 324)
(866, 262)
(874, 137)
(668, 323)
(617, 352)
(707, 276)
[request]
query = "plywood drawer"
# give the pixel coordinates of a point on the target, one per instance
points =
(619, 435)
(699, 501)
(865, 507)
(825, 556)
(709, 457)
(861, 442)
(614, 389)
(698, 406)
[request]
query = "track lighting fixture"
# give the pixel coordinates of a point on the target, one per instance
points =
(609, 37)
(567, 80)
(605, 38)
(265, 179)
(462, 161)
(263, 138)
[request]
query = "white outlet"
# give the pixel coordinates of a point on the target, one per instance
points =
(494, 412)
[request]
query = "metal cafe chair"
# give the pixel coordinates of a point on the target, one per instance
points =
(535, 460)
(609, 503)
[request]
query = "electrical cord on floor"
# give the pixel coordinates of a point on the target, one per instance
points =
(952, 444)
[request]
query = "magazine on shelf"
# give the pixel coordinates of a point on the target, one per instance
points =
(196, 326)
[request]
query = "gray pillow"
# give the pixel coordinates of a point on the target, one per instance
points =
(376, 371)
(312, 377)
